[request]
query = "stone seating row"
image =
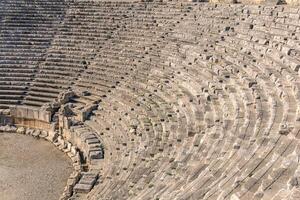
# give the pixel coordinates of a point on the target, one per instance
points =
(203, 107)
(243, 153)
(24, 42)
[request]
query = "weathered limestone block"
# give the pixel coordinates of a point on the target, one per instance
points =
(44, 116)
(66, 110)
(86, 182)
(87, 111)
(43, 134)
(74, 150)
(96, 155)
(23, 112)
(82, 188)
(61, 141)
(65, 97)
(29, 131)
(36, 133)
(50, 107)
(21, 130)
(8, 129)
(52, 135)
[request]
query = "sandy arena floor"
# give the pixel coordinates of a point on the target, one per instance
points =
(31, 169)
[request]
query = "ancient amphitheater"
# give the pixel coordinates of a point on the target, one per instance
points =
(157, 100)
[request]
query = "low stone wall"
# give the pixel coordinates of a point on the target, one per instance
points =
(88, 143)
(30, 113)
(31, 117)
(32, 123)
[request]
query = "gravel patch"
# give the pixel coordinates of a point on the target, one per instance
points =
(31, 169)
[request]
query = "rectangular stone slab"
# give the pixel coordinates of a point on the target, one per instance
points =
(82, 188)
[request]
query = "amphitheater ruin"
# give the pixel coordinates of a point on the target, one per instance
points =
(150, 100)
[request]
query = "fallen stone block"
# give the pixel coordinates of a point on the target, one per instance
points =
(82, 188)
(21, 130)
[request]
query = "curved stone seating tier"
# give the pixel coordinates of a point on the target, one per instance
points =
(188, 100)
(255, 124)
(26, 31)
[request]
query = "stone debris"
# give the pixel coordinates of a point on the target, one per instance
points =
(86, 183)
(8, 129)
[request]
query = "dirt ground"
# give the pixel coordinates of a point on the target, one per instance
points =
(31, 169)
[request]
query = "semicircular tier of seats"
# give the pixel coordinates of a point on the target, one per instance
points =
(26, 31)
(197, 101)
(47, 45)
(211, 113)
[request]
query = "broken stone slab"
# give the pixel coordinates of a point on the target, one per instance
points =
(36, 133)
(95, 146)
(73, 150)
(43, 134)
(21, 130)
(69, 146)
(8, 129)
(88, 180)
(29, 131)
(71, 181)
(90, 174)
(2, 128)
(77, 167)
(61, 140)
(82, 188)
(92, 141)
(90, 136)
(96, 154)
